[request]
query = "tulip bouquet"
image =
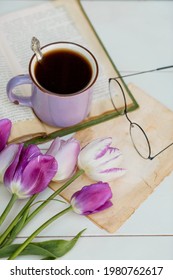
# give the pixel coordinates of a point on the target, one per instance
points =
(25, 172)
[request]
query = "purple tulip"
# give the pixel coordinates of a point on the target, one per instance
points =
(5, 129)
(30, 172)
(66, 154)
(100, 161)
(92, 199)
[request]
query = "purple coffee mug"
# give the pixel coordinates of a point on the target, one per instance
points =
(59, 110)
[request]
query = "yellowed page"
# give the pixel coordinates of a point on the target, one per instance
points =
(142, 176)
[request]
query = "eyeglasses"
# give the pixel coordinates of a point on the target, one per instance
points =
(138, 136)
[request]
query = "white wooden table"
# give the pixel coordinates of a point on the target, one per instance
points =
(138, 36)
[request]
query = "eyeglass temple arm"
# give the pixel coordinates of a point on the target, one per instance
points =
(161, 151)
(143, 72)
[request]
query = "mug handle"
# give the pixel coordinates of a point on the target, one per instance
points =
(17, 81)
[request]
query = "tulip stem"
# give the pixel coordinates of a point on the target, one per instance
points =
(57, 192)
(8, 208)
(36, 232)
(39, 208)
(16, 219)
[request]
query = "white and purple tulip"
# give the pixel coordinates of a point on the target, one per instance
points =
(92, 199)
(100, 161)
(66, 154)
(30, 172)
(5, 130)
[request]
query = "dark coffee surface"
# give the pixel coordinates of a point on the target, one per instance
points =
(63, 71)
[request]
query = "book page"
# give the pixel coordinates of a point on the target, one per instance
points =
(25, 123)
(51, 22)
(8, 109)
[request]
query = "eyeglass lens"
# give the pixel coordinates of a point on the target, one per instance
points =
(138, 136)
(140, 140)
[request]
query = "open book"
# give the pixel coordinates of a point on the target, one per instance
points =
(57, 20)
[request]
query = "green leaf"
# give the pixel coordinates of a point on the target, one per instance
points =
(60, 247)
(51, 249)
(31, 249)
(49, 258)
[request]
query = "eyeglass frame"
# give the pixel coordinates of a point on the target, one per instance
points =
(125, 112)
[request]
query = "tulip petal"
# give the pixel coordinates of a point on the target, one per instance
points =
(7, 156)
(112, 173)
(106, 174)
(111, 153)
(54, 147)
(10, 171)
(27, 154)
(102, 145)
(106, 205)
(5, 129)
(111, 158)
(100, 161)
(37, 175)
(91, 199)
(93, 151)
(66, 154)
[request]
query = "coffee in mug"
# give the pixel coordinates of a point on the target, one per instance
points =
(66, 71)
